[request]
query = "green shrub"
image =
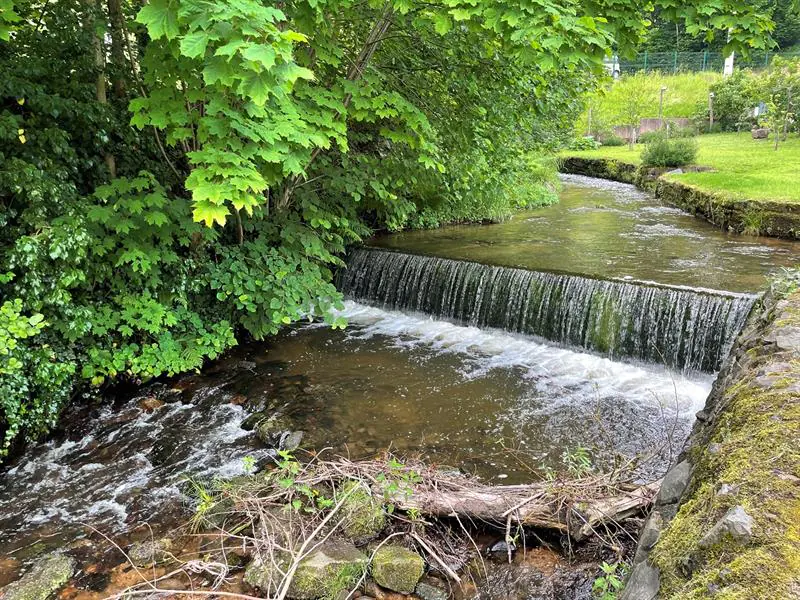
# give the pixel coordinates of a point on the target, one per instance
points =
(664, 151)
(613, 140)
(649, 136)
(584, 143)
(734, 97)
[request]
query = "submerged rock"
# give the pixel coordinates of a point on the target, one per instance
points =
(426, 591)
(397, 568)
(336, 565)
(43, 580)
(148, 552)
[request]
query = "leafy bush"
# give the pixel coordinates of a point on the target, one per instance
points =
(734, 98)
(664, 151)
(584, 143)
(650, 136)
(613, 140)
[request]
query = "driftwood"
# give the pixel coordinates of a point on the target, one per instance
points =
(573, 506)
(551, 505)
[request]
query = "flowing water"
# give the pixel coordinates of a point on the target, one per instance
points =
(610, 230)
(472, 358)
(681, 327)
(484, 401)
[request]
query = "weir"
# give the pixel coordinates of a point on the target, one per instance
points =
(685, 328)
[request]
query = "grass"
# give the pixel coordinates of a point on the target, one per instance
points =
(685, 93)
(744, 168)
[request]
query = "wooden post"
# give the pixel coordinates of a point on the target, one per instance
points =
(710, 112)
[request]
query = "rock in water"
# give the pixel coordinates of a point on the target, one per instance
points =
(291, 441)
(426, 591)
(43, 580)
(502, 547)
(146, 553)
(336, 565)
(397, 568)
(515, 582)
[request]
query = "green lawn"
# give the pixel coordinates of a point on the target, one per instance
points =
(744, 168)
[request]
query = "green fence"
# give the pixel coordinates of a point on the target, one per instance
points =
(674, 62)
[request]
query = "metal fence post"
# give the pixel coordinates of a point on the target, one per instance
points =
(675, 62)
(645, 60)
(705, 59)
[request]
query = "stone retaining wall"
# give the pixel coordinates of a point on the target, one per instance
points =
(727, 519)
(602, 168)
(774, 219)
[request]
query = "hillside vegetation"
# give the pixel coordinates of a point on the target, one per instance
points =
(684, 94)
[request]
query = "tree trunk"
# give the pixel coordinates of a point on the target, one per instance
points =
(95, 9)
(117, 47)
(534, 505)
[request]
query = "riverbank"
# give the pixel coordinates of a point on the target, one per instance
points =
(727, 520)
(744, 186)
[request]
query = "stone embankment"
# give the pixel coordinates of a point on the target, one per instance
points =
(726, 523)
(753, 217)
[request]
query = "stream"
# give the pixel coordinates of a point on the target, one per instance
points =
(494, 370)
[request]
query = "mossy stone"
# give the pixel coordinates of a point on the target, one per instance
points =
(43, 580)
(146, 553)
(364, 515)
(332, 568)
(398, 569)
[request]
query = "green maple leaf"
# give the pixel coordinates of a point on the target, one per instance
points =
(160, 19)
(262, 54)
(194, 44)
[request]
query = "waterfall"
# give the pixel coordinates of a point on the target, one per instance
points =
(682, 327)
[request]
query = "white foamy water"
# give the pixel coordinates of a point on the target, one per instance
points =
(551, 365)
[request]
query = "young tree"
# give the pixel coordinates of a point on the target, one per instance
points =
(781, 85)
(635, 99)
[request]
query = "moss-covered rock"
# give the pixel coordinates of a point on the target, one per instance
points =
(398, 569)
(148, 552)
(332, 568)
(736, 534)
(43, 579)
(364, 514)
